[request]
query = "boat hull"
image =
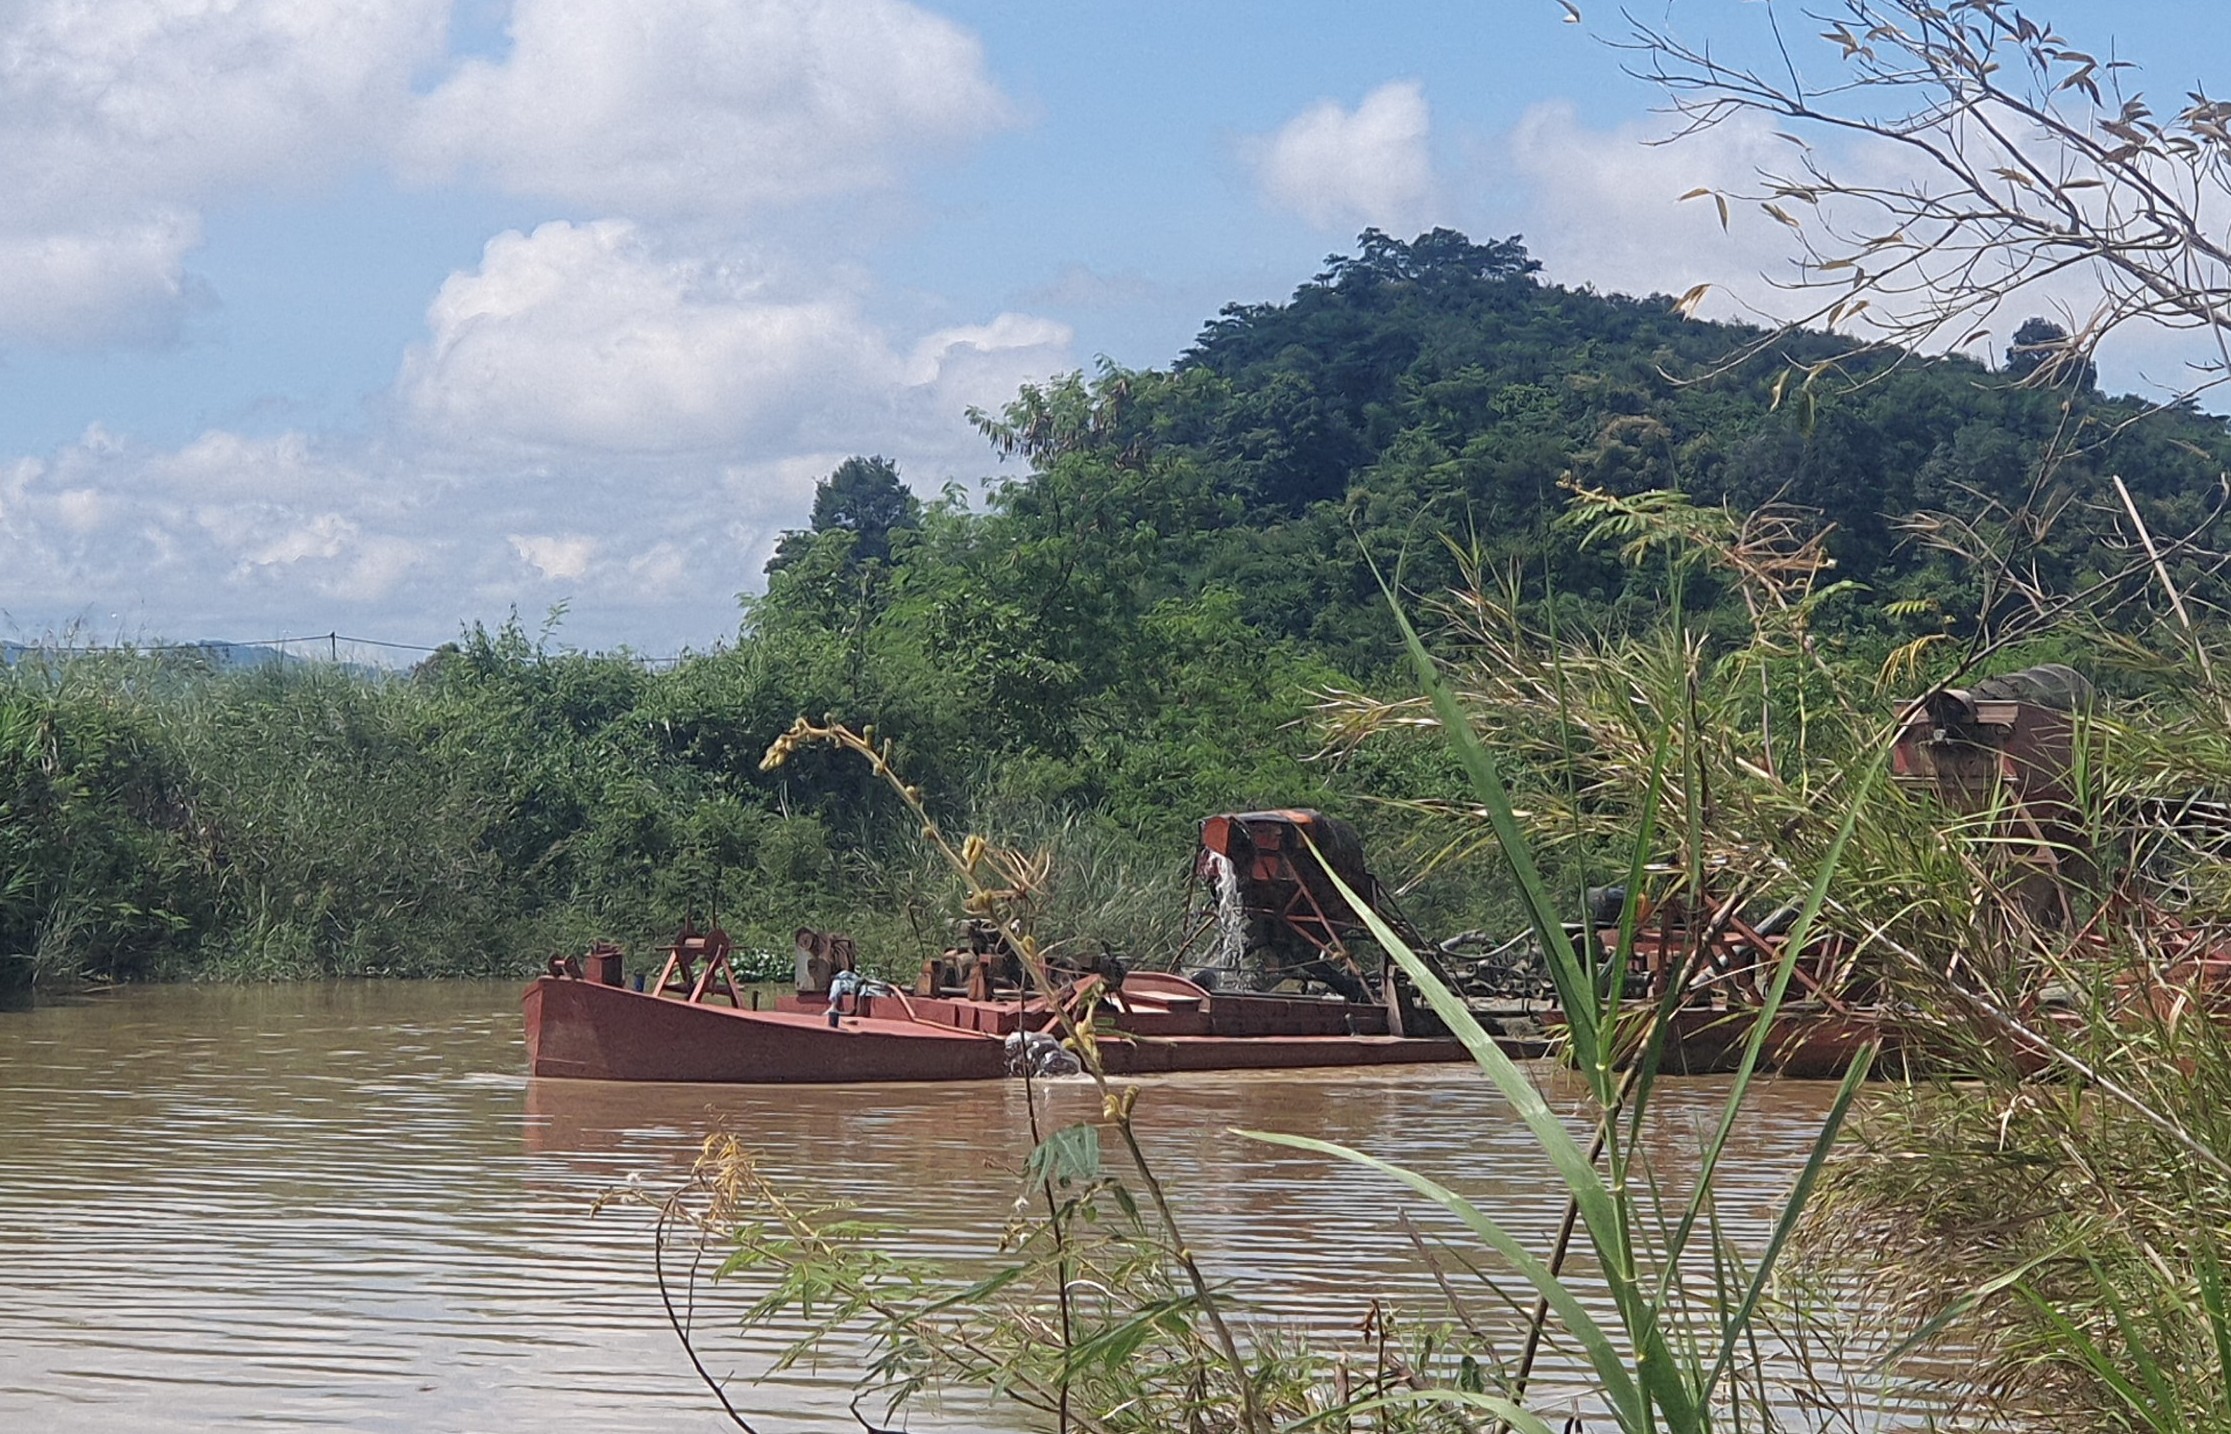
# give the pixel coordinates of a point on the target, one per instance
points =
(1804, 1044)
(586, 1030)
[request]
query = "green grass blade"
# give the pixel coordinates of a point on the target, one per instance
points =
(2096, 1360)
(1604, 1356)
(1601, 1214)
(2219, 1318)
(1582, 1180)
(1739, 1323)
(2137, 1353)
(1565, 968)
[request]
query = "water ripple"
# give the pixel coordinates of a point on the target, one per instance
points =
(320, 1207)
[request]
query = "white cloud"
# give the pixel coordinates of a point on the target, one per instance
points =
(949, 354)
(212, 529)
(661, 108)
(620, 411)
(1339, 169)
(222, 465)
(584, 335)
(663, 568)
(128, 99)
(589, 337)
(80, 510)
(563, 556)
(1604, 207)
(66, 288)
(590, 418)
(119, 119)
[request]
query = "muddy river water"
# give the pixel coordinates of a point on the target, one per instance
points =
(347, 1207)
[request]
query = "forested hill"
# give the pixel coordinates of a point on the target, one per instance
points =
(1438, 388)
(1178, 556)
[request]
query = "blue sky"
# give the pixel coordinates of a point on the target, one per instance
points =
(388, 315)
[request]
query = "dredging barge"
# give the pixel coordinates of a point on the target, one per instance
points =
(1280, 920)
(973, 1015)
(1158, 1024)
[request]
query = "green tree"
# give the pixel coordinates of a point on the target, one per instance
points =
(864, 498)
(2042, 347)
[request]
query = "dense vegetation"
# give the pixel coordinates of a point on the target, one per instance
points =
(1133, 629)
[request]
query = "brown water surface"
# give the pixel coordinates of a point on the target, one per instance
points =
(346, 1207)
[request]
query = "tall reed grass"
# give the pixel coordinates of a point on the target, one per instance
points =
(2056, 1216)
(2057, 1213)
(1669, 1317)
(163, 819)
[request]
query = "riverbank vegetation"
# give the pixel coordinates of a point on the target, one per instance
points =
(1130, 629)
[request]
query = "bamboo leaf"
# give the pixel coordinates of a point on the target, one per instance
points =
(1070, 1154)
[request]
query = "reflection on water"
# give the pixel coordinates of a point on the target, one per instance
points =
(345, 1206)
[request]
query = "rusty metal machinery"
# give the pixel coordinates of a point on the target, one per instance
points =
(2008, 743)
(2005, 745)
(696, 966)
(820, 956)
(2011, 736)
(984, 963)
(1276, 914)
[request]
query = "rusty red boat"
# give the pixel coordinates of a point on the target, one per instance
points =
(696, 1023)
(1285, 988)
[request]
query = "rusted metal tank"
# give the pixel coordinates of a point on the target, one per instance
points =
(2007, 737)
(1270, 852)
(1276, 868)
(2008, 744)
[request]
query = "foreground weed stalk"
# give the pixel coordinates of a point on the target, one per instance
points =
(1000, 884)
(1669, 1364)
